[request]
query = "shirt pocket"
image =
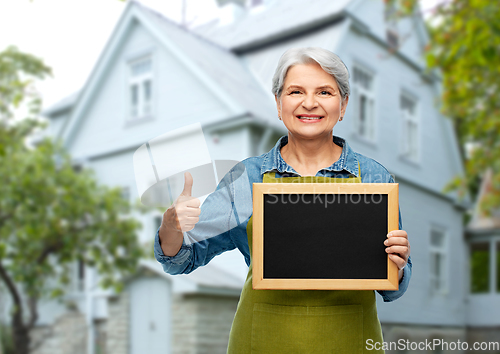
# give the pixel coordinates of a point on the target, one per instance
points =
(307, 329)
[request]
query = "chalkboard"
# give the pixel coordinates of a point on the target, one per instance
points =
(323, 235)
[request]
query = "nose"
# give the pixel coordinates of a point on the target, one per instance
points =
(309, 102)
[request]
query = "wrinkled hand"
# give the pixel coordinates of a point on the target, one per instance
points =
(184, 213)
(398, 247)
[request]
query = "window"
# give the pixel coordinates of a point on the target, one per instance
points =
(81, 276)
(157, 221)
(438, 260)
(125, 193)
(392, 38)
(140, 88)
(363, 90)
(391, 22)
(480, 267)
(410, 131)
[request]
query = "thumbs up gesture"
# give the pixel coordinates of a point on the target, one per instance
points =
(184, 213)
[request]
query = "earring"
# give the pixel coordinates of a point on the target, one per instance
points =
(279, 117)
(341, 118)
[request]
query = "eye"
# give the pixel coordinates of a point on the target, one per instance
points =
(325, 92)
(294, 92)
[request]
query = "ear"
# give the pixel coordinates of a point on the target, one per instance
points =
(344, 106)
(278, 104)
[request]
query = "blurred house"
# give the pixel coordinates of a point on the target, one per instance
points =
(154, 76)
(483, 236)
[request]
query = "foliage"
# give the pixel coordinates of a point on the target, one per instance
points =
(6, 344)
(49, 209)
(464, 47)
(51, 215)
(17, 74)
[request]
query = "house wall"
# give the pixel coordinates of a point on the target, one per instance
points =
(201, 323)
(413, 335)
(117, 326)
(67, 335)
(437, 163)
(117, 170)
(56, 123)
(409, 29)
(485, 336)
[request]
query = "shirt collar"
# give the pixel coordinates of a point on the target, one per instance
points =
(273, 161)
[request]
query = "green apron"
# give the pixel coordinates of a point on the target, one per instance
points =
(303, 321)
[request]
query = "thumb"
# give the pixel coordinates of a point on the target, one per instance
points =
(188, 184)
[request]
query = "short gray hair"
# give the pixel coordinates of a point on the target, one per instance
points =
(329, 61)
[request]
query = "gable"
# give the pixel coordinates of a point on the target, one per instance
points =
(218, 70)
(179, 98)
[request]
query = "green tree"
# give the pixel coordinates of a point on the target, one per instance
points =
(50, 215)
(464, 47)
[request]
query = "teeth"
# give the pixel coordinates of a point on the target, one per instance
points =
(308, 117)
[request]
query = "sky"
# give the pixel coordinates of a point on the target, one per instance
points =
(69, 35)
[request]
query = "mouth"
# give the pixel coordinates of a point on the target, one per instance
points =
(309, 117)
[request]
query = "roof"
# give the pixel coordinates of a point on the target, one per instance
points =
(481, 222)
(64, 104)
(279, 19)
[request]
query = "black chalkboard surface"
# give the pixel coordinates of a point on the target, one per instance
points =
(323, 236)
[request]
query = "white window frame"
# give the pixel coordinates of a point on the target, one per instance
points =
(358, 92)
(144, 109)
(442, 250)
(492, 242)
(409, 120)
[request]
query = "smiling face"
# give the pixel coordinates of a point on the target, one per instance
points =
(310, 103)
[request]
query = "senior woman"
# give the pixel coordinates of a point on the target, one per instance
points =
(311, 89)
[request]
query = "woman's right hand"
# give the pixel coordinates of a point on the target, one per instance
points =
(180, 217)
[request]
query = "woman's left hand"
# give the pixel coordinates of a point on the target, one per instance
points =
(398, 248)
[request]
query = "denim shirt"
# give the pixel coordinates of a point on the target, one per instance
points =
(225, 212)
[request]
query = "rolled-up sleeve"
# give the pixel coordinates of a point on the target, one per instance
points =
(173, 264)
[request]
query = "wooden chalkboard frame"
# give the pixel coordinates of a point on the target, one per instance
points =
(260, 189)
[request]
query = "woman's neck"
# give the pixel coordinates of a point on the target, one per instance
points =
(307, 157)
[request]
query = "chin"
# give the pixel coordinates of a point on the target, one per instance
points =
(309, 134)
